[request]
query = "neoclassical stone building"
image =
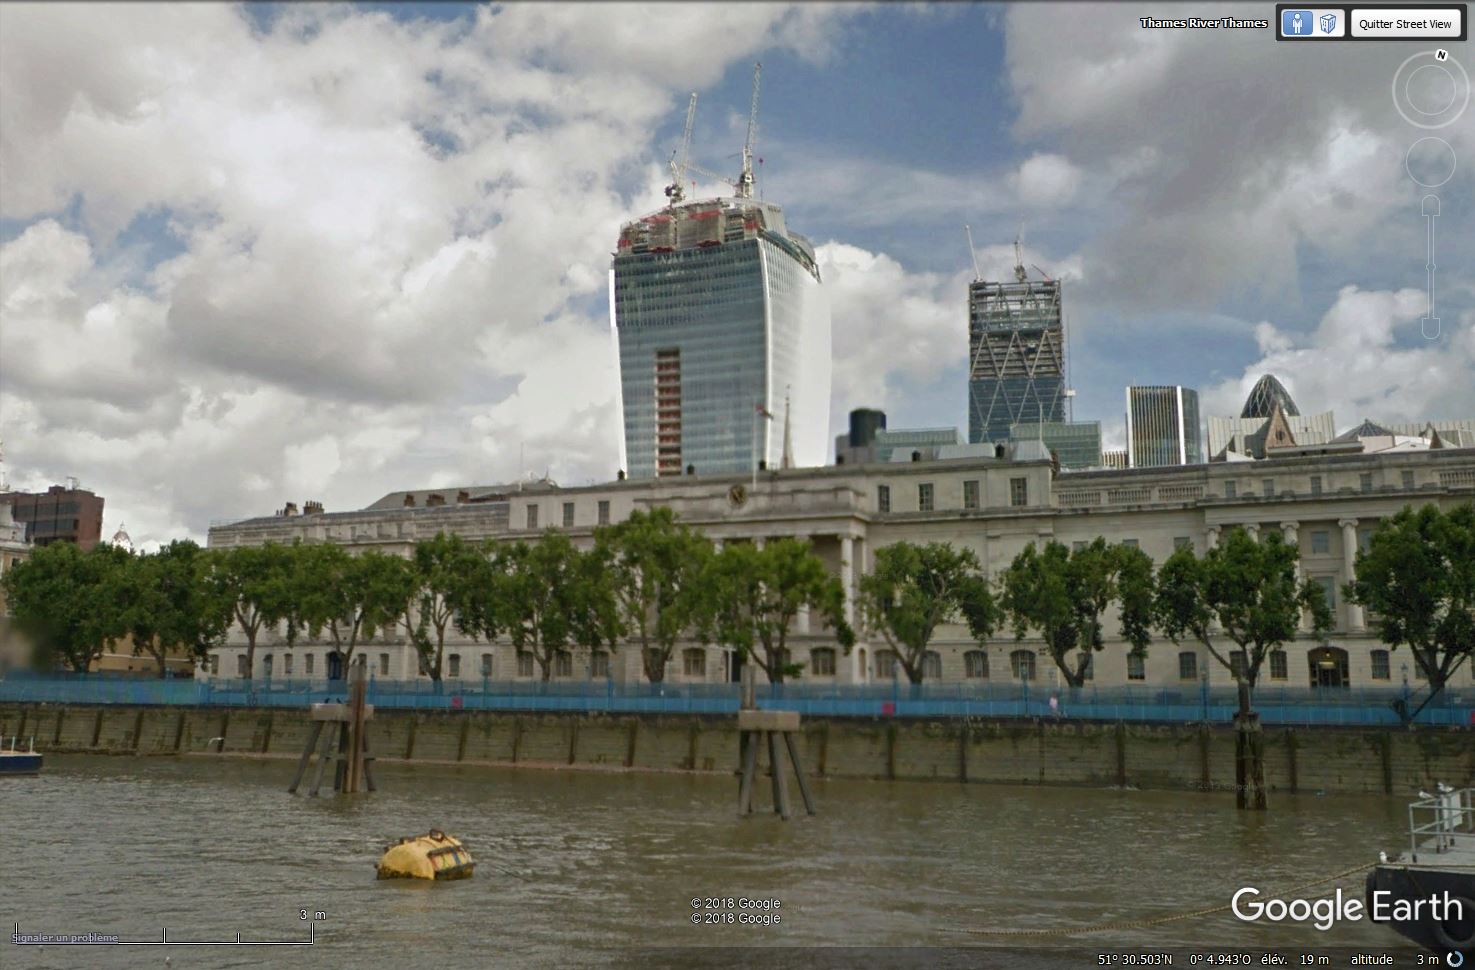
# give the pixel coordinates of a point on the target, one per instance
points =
(1327, 505)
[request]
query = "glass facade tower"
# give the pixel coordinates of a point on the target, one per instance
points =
(1016, 352)
(1163, 427)
(719, 319)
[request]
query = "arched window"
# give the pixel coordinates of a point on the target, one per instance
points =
(864, 670)
(455, 666)
(241, 666)
(932, 665)
(694, 662)
(1328, 667)
(599, 663)
(1136, 666)
(1022, 662)
(486, 665)
(266, 667)
(975, 665)
(822, 662)
(1279, 666)
(287, 665)
(886, 665)
(563, 664)
(524, 663)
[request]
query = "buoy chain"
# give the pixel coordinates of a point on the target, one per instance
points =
(1156, 920)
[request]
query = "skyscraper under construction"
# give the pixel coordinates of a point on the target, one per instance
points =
(723, 334)
(1016, 353)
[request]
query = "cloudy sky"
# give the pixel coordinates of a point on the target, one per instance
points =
(304, 251)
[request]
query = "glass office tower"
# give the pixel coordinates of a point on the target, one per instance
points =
(719, 321)
(1163, 427)
(1016, 353)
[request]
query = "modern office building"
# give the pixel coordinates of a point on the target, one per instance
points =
(723, 336)
(62, 513)
(1075, 444)
(1327, 505)
(1163, 427)
(1016, 354)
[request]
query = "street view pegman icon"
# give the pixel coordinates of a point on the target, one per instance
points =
(1295, 23)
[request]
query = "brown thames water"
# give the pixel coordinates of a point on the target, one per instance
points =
(596, 869)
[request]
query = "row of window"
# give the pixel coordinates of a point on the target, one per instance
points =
(601, 515)
(926, 502)
(1364, 484)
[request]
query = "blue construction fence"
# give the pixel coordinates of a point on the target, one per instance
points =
(1187, 704)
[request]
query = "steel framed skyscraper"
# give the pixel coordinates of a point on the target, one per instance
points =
(1016, 353)
(718, 312)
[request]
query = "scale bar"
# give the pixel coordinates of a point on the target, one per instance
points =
(62, 940)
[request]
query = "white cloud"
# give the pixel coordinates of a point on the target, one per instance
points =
(390, 241)
(1366, 359)
(1046, 180)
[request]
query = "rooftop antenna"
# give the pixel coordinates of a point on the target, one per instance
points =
(977, 273)
(745, 180)
(682, 156)
(1019, 273)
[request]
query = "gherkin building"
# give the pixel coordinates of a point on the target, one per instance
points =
(1266, 393)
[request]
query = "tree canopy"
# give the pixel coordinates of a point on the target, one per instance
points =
(1417, 578)
(916, 588)
(1065, 594)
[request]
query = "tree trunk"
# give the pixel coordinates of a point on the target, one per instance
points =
(913, 675)
(250, 653)
(1249, 750)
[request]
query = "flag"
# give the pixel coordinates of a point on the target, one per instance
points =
(763, 412)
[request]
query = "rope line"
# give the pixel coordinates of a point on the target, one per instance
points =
(1157, 920)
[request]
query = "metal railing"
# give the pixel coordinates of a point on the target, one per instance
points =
(1189, 703)
(1442, 821)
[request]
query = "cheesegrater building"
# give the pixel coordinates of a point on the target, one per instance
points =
(723, 337)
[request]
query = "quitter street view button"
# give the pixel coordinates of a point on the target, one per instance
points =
(1406, 23)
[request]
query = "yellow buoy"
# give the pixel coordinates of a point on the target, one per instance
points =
(434, 855)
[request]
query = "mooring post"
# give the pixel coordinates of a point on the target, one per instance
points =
(799, 771)
(356, 728)
(312, 740)
(776, 765)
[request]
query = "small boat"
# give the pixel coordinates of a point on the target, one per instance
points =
(1428, 896)
(18, 762)
(434, 855)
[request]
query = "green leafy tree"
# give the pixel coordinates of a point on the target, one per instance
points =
(915, 588)
(168, 605)
(755, 594)
(350, 597)
(1418, 579)
(1065, 594)
(654, 567)
(536, 597)
(447, 575)
(1250, 590)
(257, 582)
(65, 601)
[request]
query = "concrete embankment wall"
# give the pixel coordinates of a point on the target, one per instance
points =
(1181, 756)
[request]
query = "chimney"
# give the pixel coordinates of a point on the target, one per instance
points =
(434, 500)
(290, 510)
(409, 500)
(312, 508)
(462, 497)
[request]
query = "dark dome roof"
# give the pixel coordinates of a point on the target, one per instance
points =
(1263, 397)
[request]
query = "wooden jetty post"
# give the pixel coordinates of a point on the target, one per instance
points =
(756, 728)
(345, 743)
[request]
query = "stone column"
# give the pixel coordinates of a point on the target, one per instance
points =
(847, 575)
(1253, 528)
(801, 620)
(1292, 534)
(1356, 621)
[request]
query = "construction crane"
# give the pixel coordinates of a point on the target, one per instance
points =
(745, 180)
(977, 273)
(681, 157)
(708, 173)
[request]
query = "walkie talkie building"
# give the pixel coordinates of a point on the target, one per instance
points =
(723, 335)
